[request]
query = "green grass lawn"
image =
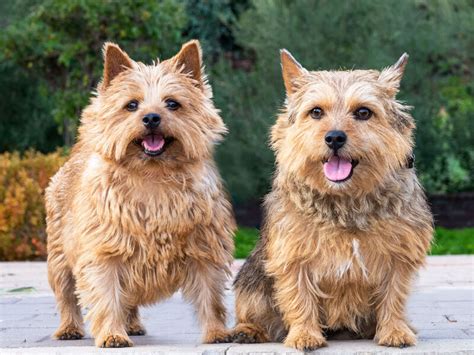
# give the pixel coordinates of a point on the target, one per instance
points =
(447, 241)
(453, 241)
(245, 240)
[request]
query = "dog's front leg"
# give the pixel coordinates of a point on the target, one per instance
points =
(392, 327)
(297, 296)
(204, 287)
(100, 290)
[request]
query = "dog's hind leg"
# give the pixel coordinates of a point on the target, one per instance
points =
(134, 325)
(60, 275)
(63, 284)
(258, 320)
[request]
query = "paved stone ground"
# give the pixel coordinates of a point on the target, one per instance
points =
(441, 308)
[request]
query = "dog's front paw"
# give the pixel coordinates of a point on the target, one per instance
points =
(399, 335)
(304, 340)
(217, 336)
(69, 333)
(114, 341)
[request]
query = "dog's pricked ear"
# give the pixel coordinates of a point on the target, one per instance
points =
(189, 60)
(115, 62)
(291, 70)
(401, 63)
(392, 76)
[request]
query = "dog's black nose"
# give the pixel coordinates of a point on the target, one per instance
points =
(335, 139)
(151, 120)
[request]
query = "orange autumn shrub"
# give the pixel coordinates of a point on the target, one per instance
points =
(23, 179)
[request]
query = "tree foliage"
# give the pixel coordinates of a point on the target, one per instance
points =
(50, 61)
(25, 119)
(325, 34)
(212, 21)
(59, 42)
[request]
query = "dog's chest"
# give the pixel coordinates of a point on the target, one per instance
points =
(355, 262)
(155, 272)
(154, 213)
(343, 262)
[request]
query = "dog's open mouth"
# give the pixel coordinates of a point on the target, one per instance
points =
(154, 144)
(339, 169)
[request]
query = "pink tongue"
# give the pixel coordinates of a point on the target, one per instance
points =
(153, 142)
(337, 169)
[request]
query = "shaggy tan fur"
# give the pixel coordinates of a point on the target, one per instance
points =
(337, 256)
(126, 229)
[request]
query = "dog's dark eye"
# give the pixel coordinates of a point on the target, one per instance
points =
(132, 106)
(316, 113)
(362, 113)
(172, 105)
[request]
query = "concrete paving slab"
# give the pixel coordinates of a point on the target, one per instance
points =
(441, 308)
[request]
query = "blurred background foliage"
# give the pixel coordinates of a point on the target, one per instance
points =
(325, 34)
(58, 43)
(50, 61)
